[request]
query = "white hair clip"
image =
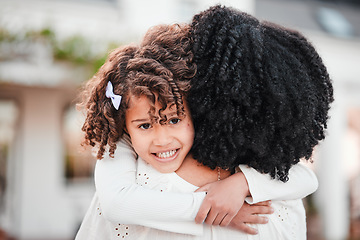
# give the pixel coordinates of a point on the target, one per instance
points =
(115, 99)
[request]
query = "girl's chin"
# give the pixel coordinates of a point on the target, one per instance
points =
(167, 169)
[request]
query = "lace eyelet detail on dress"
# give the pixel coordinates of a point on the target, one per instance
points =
(148, 177)
(142, 179)
(121, 231)
(283, 214)
(98, 210)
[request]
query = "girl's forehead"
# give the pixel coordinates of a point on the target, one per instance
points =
(134, 101)
(144, 100)
(141, 108)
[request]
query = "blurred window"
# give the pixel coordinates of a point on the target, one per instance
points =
(79, 162)
(186, 9)
(351, 160)
(8, 119)
(110, 1)
(344, 1)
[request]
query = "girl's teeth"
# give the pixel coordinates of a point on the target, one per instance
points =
(166, 154)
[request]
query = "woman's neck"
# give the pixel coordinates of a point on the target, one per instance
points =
(197, 174)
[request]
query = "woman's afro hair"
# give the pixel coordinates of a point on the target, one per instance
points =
(261, 94)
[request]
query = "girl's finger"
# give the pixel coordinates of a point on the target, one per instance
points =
(226, 221)
(204, 188)
(246, 229)
(219, 218)
(255, 219)
(265, 203)
(262, 210)
(211, 217)
(203, 212)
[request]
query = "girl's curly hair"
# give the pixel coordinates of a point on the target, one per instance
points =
(261, 94)
(160, 68)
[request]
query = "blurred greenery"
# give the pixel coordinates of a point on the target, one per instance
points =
(76, 49)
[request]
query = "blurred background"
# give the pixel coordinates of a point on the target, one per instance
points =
(48, 48)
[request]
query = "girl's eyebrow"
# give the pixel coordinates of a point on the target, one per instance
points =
(141, 120)
(171, 114)
(147, 119)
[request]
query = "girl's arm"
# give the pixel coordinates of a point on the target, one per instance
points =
(123, 201)
(302, 182)
(255, 187)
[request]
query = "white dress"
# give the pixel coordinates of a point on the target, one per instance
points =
(134, 201)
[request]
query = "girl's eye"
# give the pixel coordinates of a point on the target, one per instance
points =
(145, 126)
(174, 121)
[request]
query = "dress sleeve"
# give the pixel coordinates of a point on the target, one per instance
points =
(123, 201)
(302, 182)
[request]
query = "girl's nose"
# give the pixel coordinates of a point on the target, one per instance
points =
(162, 136)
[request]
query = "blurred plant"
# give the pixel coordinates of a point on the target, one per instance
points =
(5, 35)
(75, 50)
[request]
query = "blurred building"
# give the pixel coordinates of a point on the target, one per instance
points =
(334, 29)
(46, 180)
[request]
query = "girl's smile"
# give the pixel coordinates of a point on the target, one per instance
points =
(163, 145)
(166, 156)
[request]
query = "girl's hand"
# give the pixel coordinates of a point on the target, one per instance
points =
(248, 215)
(223, 200)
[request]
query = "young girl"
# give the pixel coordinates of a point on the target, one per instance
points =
(138, 96)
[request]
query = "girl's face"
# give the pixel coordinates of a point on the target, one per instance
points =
(164, 146)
